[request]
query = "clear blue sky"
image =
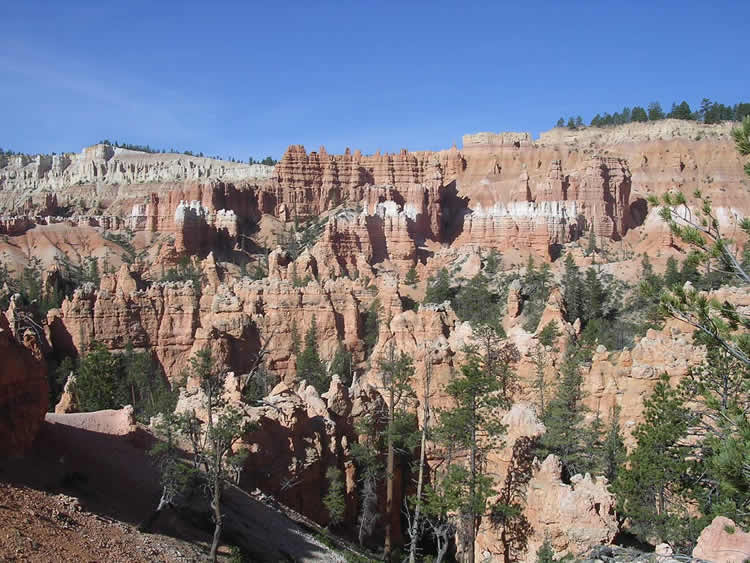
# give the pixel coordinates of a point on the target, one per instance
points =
(241, 79)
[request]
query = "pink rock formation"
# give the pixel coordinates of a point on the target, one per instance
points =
(574, 517)
(722, 542)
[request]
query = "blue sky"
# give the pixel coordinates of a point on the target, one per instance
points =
(248, 79)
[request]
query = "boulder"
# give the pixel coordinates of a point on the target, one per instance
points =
(722, 541)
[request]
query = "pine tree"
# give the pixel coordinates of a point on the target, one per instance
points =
(342, 365)
(371, 326)
(335, 499)
(474, 427)
(572, 290)
(591, 248)
(396, 373)
(595, 296)
(309, 365)
(493, 263)
(411, 276)
(545, 553)
(638, 114)
(561, 122)
(296, 341)
(212, 439)
(672, 275)
(98, 384)
(655, 112)
(613, 448)
(439, 288)
(475, 303)
(681, 111)
(567, 435)
(651, 490)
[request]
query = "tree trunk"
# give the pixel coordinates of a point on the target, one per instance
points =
(473, 522)
(149, 522)
(389, 484)
(442, 548)
(216, 505)
(426, 413)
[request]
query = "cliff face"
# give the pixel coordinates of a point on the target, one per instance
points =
(172, 320)
(24, 394)
(384, 214)
(307, 184)
(106, 165)
(501, 190)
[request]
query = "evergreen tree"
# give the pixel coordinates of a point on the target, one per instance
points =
(411, 276)
(591, 248)
(368, 453)
(672, 276)
(579, 122)
(396, 373)
(439, 288)
(651, 490)
(741, 111)
(549, 334)
(613, 451)
(682, 111)
(335, 499)
(541, 359)
(98, 385)
(537, 284)
(342, 365)
(561, 122)
(296, 341)
(567, 435)
(149, 391)
(719, 389)
(212, 439)
(655, 112)
(545, 553)
(475, 303)
(573, 290)
(493, 263)
(571, 123)
(474, 427)
(309, 365)
(638, 114)
(371, 326)
(595, 296)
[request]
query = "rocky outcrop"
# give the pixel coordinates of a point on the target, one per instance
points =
(722, 542)
(119, 422)
(636, 132)
(104, 164)
(173, 320)
(24, 394)
(305, 185)
(561, 207)
(572, 516)
(513, 140)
